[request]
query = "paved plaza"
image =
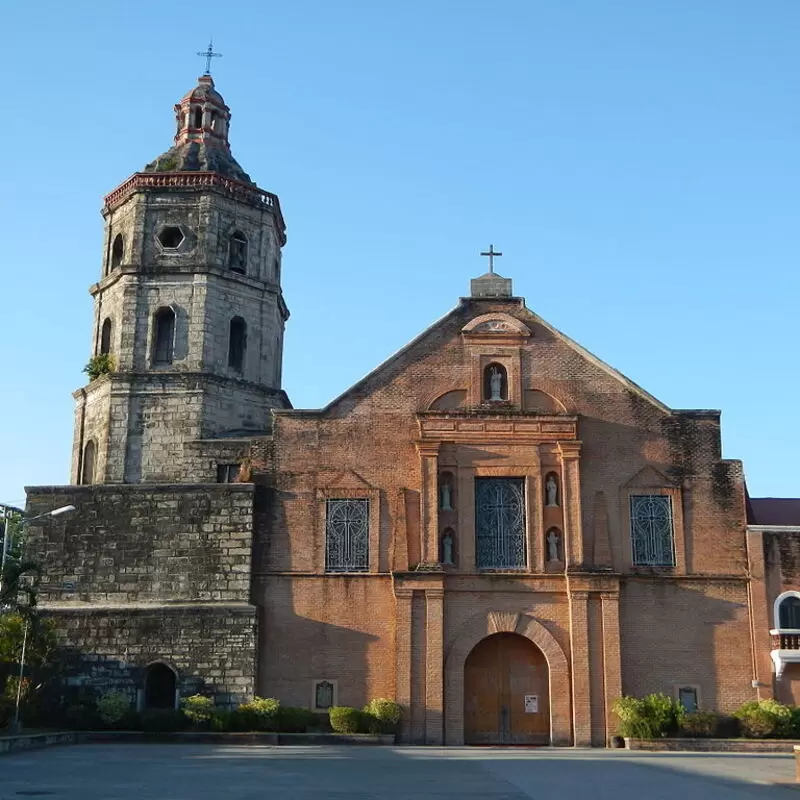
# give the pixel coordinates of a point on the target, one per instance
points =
(197, 772)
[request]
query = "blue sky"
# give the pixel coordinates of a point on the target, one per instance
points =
(636, 162)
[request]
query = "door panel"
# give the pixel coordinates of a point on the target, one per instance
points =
(498, 675)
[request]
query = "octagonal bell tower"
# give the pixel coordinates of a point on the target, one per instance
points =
(189, 311)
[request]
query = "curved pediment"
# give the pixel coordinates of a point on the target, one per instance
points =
(488, 324)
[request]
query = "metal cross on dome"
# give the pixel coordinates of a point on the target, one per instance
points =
(491, 253)
(208, 55)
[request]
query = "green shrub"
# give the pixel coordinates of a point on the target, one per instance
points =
(198, 709)
(386, 712)
(765, 719)
(163, 720)
(98, 365)
(260, 714)
(650, 717)
(112, 708)
(700, 724)
(345, 719)
(223, 720)
(290, 719)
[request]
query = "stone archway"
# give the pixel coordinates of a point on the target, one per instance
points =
(479, 627)
(160, 684)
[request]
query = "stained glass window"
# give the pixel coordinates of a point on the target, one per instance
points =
(500, 523)
(652, 535)
(323, 695)
(347, 536)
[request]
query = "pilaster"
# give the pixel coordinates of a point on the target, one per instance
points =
(612, 660)
(429, 501)
(581, 687)
(403, 599)
(434, 682)
(571, 482)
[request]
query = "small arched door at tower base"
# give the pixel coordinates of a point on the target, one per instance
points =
(506, 692)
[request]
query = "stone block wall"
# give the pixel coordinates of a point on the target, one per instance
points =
(211, 648)
(144, 573)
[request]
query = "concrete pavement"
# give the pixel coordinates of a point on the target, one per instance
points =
(208, 772)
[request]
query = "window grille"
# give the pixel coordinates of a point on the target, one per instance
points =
(789, 613)
(652, 535)
(347, 535)
(500, 523)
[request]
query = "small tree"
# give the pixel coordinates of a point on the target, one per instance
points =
(98, 365)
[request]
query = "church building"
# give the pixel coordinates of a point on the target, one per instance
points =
(494, 527)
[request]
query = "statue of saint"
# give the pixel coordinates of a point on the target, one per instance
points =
(551, 488)
(553, 546)
(447, 549)
(496, 384)
(447, 498)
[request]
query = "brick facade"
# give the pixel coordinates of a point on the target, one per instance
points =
(230, 585)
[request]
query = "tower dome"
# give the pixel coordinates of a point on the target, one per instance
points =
(201, 140)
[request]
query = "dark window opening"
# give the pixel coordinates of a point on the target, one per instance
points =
(105, 337)
(323, 695)
(237, 253)
(495, 383)
(117, 250)
(276, 269)
(228, 473)
(789, 613)
(164, 338)
(87, 468)
(170, 237)
(237, 343)
(687, 697)
(198, 118)
(159, 687)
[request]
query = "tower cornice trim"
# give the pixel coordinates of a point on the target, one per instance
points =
(193, 181)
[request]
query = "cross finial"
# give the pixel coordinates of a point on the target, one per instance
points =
(491, 253)
(208, 55)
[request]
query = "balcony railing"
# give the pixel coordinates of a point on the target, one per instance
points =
(782, 640)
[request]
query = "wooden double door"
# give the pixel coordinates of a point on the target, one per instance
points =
(506, 692)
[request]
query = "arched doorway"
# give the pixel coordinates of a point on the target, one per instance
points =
(159, 686)
(506, 692)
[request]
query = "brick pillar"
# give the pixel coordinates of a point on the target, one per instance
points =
(760, 616)
(612, 662)
(571, 500)
(581, 687)
(434, 678)
(429, 501)
(403, 656)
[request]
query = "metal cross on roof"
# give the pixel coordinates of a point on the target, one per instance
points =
(208, 55)
(491, 253)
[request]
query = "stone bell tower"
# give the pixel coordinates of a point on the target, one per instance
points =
(189, 310)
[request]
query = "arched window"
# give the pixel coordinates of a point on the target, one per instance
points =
(164, 336)
(198, 117)
(237, 343)
(789, 612)
(159, 686)
(87, 468)
(237, 253)
(495, 383)
(214, 121)
(105, 336)
(117, 250)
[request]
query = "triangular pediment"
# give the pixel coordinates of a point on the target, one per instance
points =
(649, 477)
(349, 479)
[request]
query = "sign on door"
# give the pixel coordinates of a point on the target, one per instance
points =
(531, 703)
